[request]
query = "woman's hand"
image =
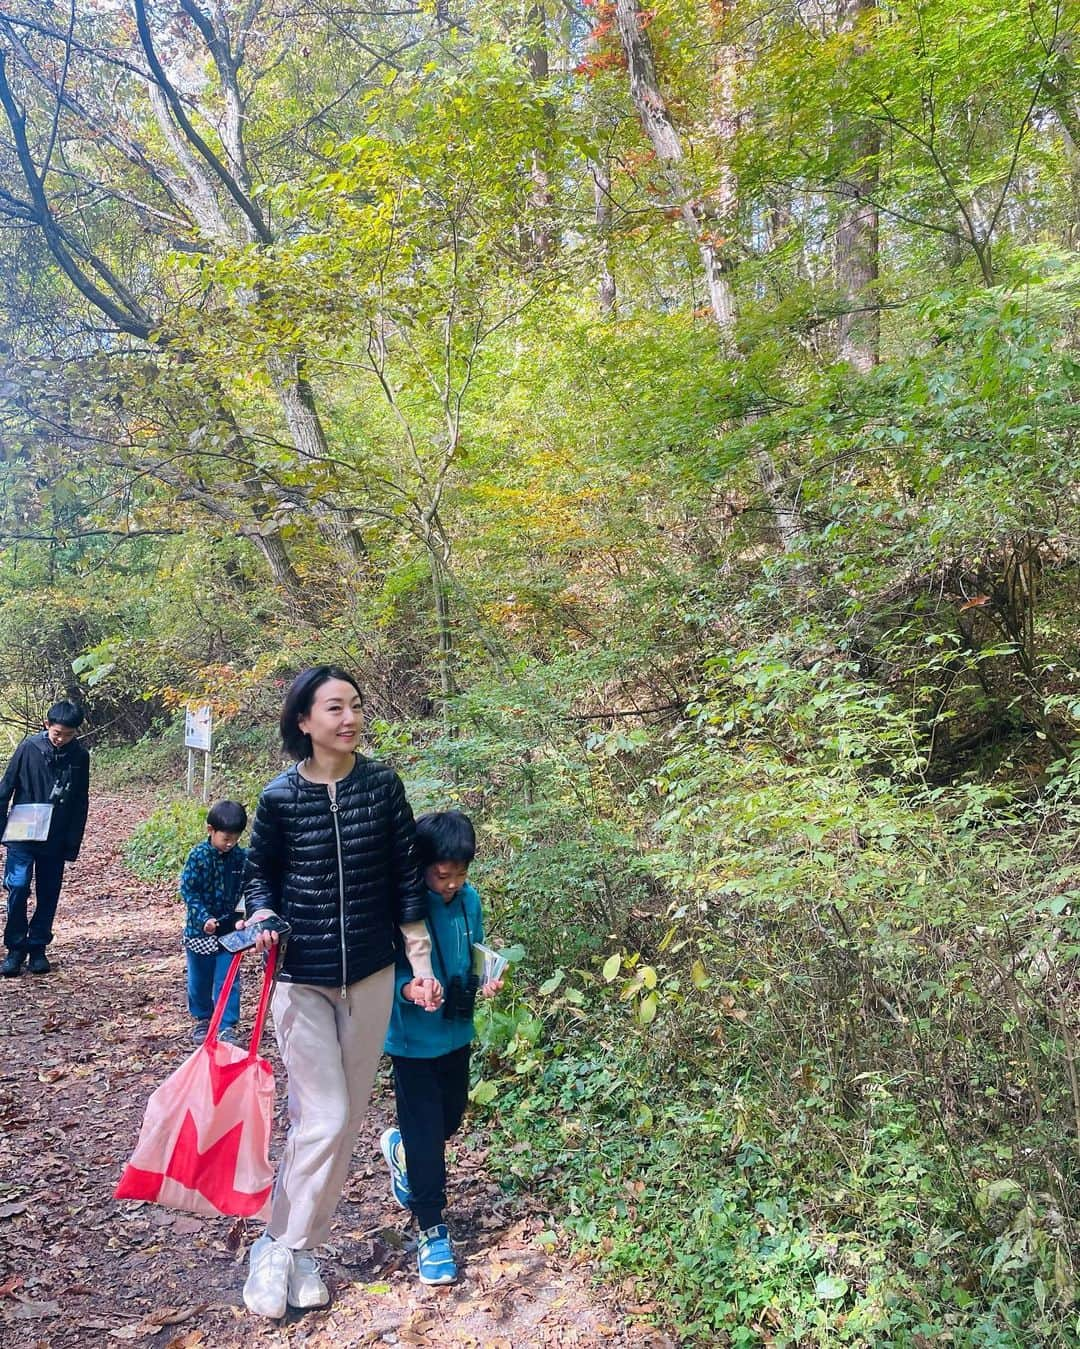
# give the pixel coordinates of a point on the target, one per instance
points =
(426, 993)
(264, 940)
(491, 987)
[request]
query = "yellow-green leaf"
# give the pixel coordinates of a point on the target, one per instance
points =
(483, 1093)
(550, 985)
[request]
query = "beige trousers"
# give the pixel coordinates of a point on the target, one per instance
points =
(330, 1046)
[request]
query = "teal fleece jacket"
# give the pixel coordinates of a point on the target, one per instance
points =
(414, 1033)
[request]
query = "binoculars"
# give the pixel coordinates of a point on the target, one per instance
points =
(459, 997)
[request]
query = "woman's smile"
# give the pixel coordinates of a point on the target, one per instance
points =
(335, 719)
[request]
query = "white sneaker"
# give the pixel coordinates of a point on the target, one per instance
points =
(306, 1288)
(269, 1273)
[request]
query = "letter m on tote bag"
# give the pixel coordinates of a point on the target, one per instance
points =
(204, 1142)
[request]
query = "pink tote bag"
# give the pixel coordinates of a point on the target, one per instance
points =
(205, 1137)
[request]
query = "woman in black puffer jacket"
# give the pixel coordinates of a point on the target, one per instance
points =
(333, 854)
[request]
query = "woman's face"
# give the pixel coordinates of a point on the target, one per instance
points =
(336, 718)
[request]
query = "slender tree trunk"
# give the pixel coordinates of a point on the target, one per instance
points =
(444, 634)
(855, 257)
(656, 120)
(270, 544)
(309, 437)
(540, 235)
(601, 175)
(721, 208)
(1069, 120)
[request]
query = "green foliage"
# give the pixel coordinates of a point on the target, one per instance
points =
(783, 1212)
(847, 1007)
(159, 845)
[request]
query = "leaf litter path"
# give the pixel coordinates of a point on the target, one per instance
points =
(81, 1050)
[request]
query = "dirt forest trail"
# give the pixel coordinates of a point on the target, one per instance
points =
(80, 1051)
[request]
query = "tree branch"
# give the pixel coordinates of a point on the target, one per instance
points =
(258, 225)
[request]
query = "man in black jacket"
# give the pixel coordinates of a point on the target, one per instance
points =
(48, 769)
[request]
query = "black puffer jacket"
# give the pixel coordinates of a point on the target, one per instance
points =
(345, 878)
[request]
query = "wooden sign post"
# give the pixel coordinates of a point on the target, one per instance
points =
(198, 722)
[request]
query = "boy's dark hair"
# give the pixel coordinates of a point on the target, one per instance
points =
(228, 816)
(445, 836)
(298, 703)
(65, 714)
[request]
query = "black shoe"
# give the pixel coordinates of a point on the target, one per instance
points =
(13, 963)
(39, 963)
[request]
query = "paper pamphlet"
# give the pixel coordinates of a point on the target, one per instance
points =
(488, 963)
(28, 824)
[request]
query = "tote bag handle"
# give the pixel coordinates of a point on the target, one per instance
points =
(264, 999)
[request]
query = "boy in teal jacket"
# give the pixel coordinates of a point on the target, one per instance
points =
(430, 1054)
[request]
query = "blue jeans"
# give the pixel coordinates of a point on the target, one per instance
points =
(205, 975)
(22, 864)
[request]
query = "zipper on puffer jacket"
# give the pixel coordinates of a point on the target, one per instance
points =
(331, 791)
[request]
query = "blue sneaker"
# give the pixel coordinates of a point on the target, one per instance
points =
(435, 1256)
(393, 1149)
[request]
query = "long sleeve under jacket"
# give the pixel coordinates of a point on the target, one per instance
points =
(343, 873)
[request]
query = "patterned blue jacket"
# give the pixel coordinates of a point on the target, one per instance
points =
(210, 885)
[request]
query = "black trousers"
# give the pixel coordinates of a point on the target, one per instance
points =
(431, 1097)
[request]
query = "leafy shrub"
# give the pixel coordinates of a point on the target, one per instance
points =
(754, 1218)
(158, 847)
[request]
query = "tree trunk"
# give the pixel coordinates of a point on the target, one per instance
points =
(271, 545)
(443, 630)
(1069, 121)
(656, 120)
(601, 175)
(855, 252)
(541, 240)
(658, 126)
(308, 436)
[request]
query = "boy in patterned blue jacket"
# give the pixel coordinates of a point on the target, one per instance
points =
(430, 1054)
(210, 886)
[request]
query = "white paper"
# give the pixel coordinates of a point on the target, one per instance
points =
(28, 823)
(488, 963)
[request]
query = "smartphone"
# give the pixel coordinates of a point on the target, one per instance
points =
(244, 937)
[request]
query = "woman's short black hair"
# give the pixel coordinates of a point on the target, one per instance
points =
(445, 836)
(298, 703)
(65, 714)
(229, 817)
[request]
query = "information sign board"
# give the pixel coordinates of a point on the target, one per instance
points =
(197, 724)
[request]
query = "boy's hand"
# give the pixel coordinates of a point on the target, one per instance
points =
(210, 926)
(491, 987)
